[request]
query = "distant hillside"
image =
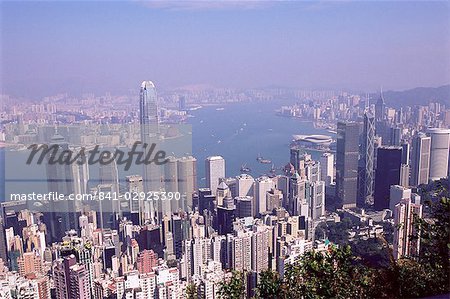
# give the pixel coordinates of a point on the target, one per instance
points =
(418, 96)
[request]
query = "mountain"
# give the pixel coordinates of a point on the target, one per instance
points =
(418, 96)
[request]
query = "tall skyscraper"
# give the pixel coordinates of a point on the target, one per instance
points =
(214, 170)
(327, 168)
(262, 186)
(366, 173)
(347, 152)
(389, 161)
(440, 141)
(71, 279)
(187, 180)
(404, 213)
(380, 108)
(149, 123)
(135, 185)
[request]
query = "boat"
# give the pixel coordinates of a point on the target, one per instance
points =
(262, 160)
(245, 169)
(273, 170)
(220, 109)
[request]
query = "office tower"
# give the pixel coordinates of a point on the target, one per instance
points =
(395, 136)
(205, 200)
(222, 191)
(404, 175)
(397, 194)
(81, 173)
(366, 173)
(262, 186)
(244, 185)
(312, 170)
(71, 280)
(187, 180)
(420, 159)
(404, 230)
(387, 173)
(317, 205)
(226, 215)
(178, 236)
(380, 108)
(296, 157)
(150, 238)
(244, 206)
(297, 196)
(274, 199)
(171, 181)
(60, 180)
(146, 260)
(327, 168)
(439, 150)
(214, 170)
(347, 152)
(406, 149)
(149, 125)
(135, 185)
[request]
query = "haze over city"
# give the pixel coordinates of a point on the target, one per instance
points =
(108, 46)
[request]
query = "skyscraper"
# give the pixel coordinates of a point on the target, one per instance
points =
(187, 180)
(404, 213)
(149, 123)
(366, 173)
(214, 170)
(389, 161)
(327, 168)
(347, 151)
(380, 108)
(440, 141)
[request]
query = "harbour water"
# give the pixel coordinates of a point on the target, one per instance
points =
(239, 132)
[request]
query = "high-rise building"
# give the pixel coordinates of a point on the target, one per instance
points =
(245, 185)
(405, 241)
(347, 152)
(214, 170)
(135, 185)
(420, 159)
(439, 151)
(149, 125)
(397, 194)
(317, 205)
(146, 260)
(71, 279)
(389, 161)
(296, 157)
(226, 215)
(327, 168)
(187, 180)
(380, 108)
(244, 206)
(262, 186)
(366, 172)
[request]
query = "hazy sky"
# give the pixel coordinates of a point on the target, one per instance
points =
(50, 47)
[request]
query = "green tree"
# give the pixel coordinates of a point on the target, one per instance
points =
(191, 291)
(234, 287)
(269, 285)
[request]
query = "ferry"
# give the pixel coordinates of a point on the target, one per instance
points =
(220, 109)
(245, 169)
(262, 160)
